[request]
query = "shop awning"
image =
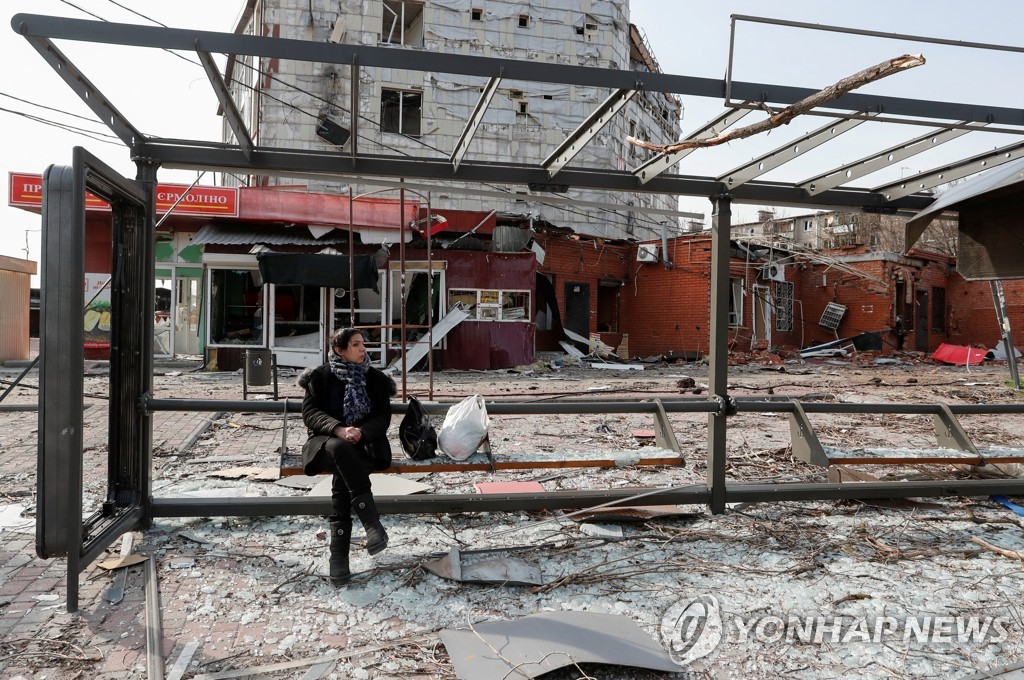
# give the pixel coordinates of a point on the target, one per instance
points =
(240, 233)
(325, 271)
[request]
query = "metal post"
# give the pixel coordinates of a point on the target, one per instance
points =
(999, 298)
(351, 268)
(430, 304)
(401, 256)
(721, 221)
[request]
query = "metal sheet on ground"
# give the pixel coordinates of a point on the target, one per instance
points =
(537, 644)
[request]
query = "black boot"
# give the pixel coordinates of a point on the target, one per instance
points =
(341, 533)
(366, 509)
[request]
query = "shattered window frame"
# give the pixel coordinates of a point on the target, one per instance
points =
(784, 305)
(735, 301)
(235, 316)
(489, 304)
(401, 111)
(398, 18)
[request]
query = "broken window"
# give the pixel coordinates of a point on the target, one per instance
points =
(400, 112)
(783, 305)
(476, 14)
(237, 308)
(402, 23)
(938, 310)
(493, 305)
(522, 113)
(735, 301)
(588, 27)
(524, 21)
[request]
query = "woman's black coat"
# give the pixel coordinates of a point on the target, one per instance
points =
(315, 414)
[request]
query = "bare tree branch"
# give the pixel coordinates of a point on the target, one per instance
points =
(868, 75)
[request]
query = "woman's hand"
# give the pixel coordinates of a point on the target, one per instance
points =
(352, 435)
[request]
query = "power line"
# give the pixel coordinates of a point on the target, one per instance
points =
(50, 108)
(97, 136)
(138, 14)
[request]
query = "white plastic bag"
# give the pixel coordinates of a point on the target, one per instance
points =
(464, 428)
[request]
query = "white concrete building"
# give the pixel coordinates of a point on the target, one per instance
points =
(423, 114)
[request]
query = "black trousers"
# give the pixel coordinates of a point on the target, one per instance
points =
(351, 467)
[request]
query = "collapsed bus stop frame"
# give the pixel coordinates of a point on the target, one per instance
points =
(61, 528)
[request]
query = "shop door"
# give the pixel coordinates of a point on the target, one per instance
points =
(577, 308)
(762, 315)
(297, 335)
(187, 301)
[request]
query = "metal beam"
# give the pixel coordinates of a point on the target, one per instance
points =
(877, 34)
(487, 67)
(220, 88)
(787, 152)
(88, 93)
(462, 146)
(663, 161)
(880, 160)
(586, 131)
(929, 180)
(694, 494)
(267, 161)
(718, 369)
(543, 199)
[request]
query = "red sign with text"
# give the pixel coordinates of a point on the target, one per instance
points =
(26, 191)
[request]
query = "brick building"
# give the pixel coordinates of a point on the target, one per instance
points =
(778, 297)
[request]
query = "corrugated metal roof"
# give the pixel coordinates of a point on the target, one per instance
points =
(271, 235)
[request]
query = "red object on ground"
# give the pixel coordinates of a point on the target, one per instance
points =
(959, 355)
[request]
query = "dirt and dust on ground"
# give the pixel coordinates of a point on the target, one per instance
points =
(908, 588)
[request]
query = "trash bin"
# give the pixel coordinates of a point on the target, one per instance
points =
(258, 366)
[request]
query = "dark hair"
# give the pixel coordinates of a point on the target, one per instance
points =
(341, 337)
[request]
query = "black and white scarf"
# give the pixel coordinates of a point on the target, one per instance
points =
(357, 401)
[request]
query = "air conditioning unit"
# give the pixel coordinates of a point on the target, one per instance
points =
(648, 252)
(774, 272)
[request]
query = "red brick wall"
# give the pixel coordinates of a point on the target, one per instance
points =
(871, 306)
(666, 310)
(663, 308)
(971, 311)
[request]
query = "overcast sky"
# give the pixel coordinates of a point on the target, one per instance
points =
(168, 96)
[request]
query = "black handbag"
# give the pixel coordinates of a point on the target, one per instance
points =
(418, 437)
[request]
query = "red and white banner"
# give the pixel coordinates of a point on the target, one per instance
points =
(26, 191)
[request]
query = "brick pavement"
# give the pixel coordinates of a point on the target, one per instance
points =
(38, 636)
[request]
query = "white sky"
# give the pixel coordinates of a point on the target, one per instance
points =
(171, 97)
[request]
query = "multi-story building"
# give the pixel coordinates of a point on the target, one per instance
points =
(832, 230)
(308, 105)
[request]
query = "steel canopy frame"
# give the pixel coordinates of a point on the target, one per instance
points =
(131, 382)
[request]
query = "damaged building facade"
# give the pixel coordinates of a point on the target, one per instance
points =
(310, 106)
(336, 109)
(653, 298)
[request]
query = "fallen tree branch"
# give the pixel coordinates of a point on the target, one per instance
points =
(868, 75)
(1012, 554)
